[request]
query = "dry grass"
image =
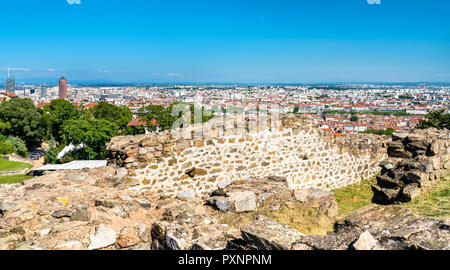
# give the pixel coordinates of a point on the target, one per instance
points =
(308, 222)
(354, 197)
(304, 219)
(434, 202)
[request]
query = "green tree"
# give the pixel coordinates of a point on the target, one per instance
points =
(354, 118)
(24, 119)
(387, 132)
(60, 110)
(92, 132)
(135, 130)
(436, 119)
(162, 115)
(165, 118)
(4, 126)
(115, 114)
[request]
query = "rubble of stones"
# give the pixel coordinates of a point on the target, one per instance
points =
(76, 210)
(416, 160)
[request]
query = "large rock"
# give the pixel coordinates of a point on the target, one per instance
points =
(366, 242)
(244, 201)
(410, 192)
(384, 195)
(395, 227)
(121, 212)
(81, 214)
(76, 176)
(415, 161)
(71, 245)
(129, 236)
(190, 234)
(186, 195)
(102, 238)
(266, 234)
(385, 181)
(62, 213)
(7, 206)
(397, 150)
(418, 177)
(220, 203)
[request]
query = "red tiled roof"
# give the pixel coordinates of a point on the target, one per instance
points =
(137, 122)
(42, 105)
(90, 105)
(9, 94)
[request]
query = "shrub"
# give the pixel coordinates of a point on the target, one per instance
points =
(18, 144)
(6, 148)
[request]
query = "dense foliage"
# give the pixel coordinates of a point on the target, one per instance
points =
(387, 132)
(18, 145)
(436, 119)
(24, 126)
(115, 114)
(6, 148)
(95, 134)
(166, 116)
(59, 111)
(23, 119)
(354, 118)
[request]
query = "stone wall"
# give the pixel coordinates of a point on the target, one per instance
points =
(291, 146)
(415, 161)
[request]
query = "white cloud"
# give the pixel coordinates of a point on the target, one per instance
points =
(17, 69)
(72, 2)
(105, 71)
(51, 70)
(174, 75)
(374, 2)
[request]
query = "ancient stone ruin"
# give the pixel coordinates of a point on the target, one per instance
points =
(291, 147)
(415, 161)
(268, 190)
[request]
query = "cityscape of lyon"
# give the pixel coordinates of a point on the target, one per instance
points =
(232, 133)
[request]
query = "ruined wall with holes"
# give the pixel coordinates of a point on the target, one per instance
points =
(291, 147)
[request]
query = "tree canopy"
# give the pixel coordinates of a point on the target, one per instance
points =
(354, 118)
(60, 110)
(95, 134)
(166, 116)
(115, 114)
(436, 119)
(21, 118)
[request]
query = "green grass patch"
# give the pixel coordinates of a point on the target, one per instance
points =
(354, 197)
(14, 179)
(434, 202)
(6, 165)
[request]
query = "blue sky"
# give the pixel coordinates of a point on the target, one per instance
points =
(292, 41)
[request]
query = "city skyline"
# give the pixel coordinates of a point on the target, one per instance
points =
(233, 42)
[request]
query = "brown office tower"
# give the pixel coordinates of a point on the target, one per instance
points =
(63, 88)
